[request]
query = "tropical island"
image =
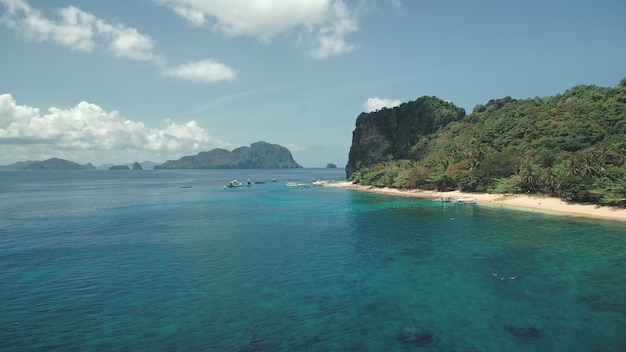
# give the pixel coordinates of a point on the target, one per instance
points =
(570, 147)
(260, 155)
(55, 164)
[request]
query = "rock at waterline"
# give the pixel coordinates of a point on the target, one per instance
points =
(526, 332)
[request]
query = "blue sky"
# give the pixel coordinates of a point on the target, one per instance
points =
(123, 81)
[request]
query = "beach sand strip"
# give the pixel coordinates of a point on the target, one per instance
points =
(532, 203)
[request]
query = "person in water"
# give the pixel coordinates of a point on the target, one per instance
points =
(503, 278)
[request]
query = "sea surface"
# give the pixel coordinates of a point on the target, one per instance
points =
(132, 261)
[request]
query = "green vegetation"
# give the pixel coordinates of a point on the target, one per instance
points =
(571, 145)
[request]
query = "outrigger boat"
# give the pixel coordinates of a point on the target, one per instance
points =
(233, 183)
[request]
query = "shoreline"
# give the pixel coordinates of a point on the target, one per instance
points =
(529, 203)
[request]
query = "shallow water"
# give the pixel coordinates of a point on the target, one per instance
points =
(105, 260)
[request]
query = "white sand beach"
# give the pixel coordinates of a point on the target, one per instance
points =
(524, 202)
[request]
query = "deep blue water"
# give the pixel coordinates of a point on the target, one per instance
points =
(130, 261)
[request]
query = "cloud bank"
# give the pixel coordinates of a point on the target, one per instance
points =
(375, 104)
(320, 25)
(89, 130)
(82, 31)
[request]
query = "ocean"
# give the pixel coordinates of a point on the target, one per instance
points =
(170, 260)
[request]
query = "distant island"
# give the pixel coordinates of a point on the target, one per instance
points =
(55, 164)
(147, 165)
(136, 167)
(331, 166)
(62, 164)
(20, 165)
(260, 155)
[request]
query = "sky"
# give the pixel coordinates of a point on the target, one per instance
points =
(153, 80)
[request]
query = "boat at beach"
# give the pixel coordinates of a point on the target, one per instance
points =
(464, 201)
(446, 199)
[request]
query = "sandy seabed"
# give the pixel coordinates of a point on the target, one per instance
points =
(544, 204)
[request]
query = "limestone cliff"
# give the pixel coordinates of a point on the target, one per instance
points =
(390, 133)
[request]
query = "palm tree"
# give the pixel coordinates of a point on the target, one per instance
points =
(528, 176)
(591, 166)
(551, 180)
(606, 153)
(572, 165)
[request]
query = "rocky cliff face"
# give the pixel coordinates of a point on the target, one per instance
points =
(390, 133)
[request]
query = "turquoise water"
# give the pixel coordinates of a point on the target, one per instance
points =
(130, 261)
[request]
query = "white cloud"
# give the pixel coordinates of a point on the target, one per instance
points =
(73, 30)
(192, 16)
(329, 41)
(82, 31)
(89, 128)
(128, 43)
(375, 103)
(203, 71)
(321, 25)
(78, 30)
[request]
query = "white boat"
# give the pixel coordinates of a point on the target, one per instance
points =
(233, 183)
